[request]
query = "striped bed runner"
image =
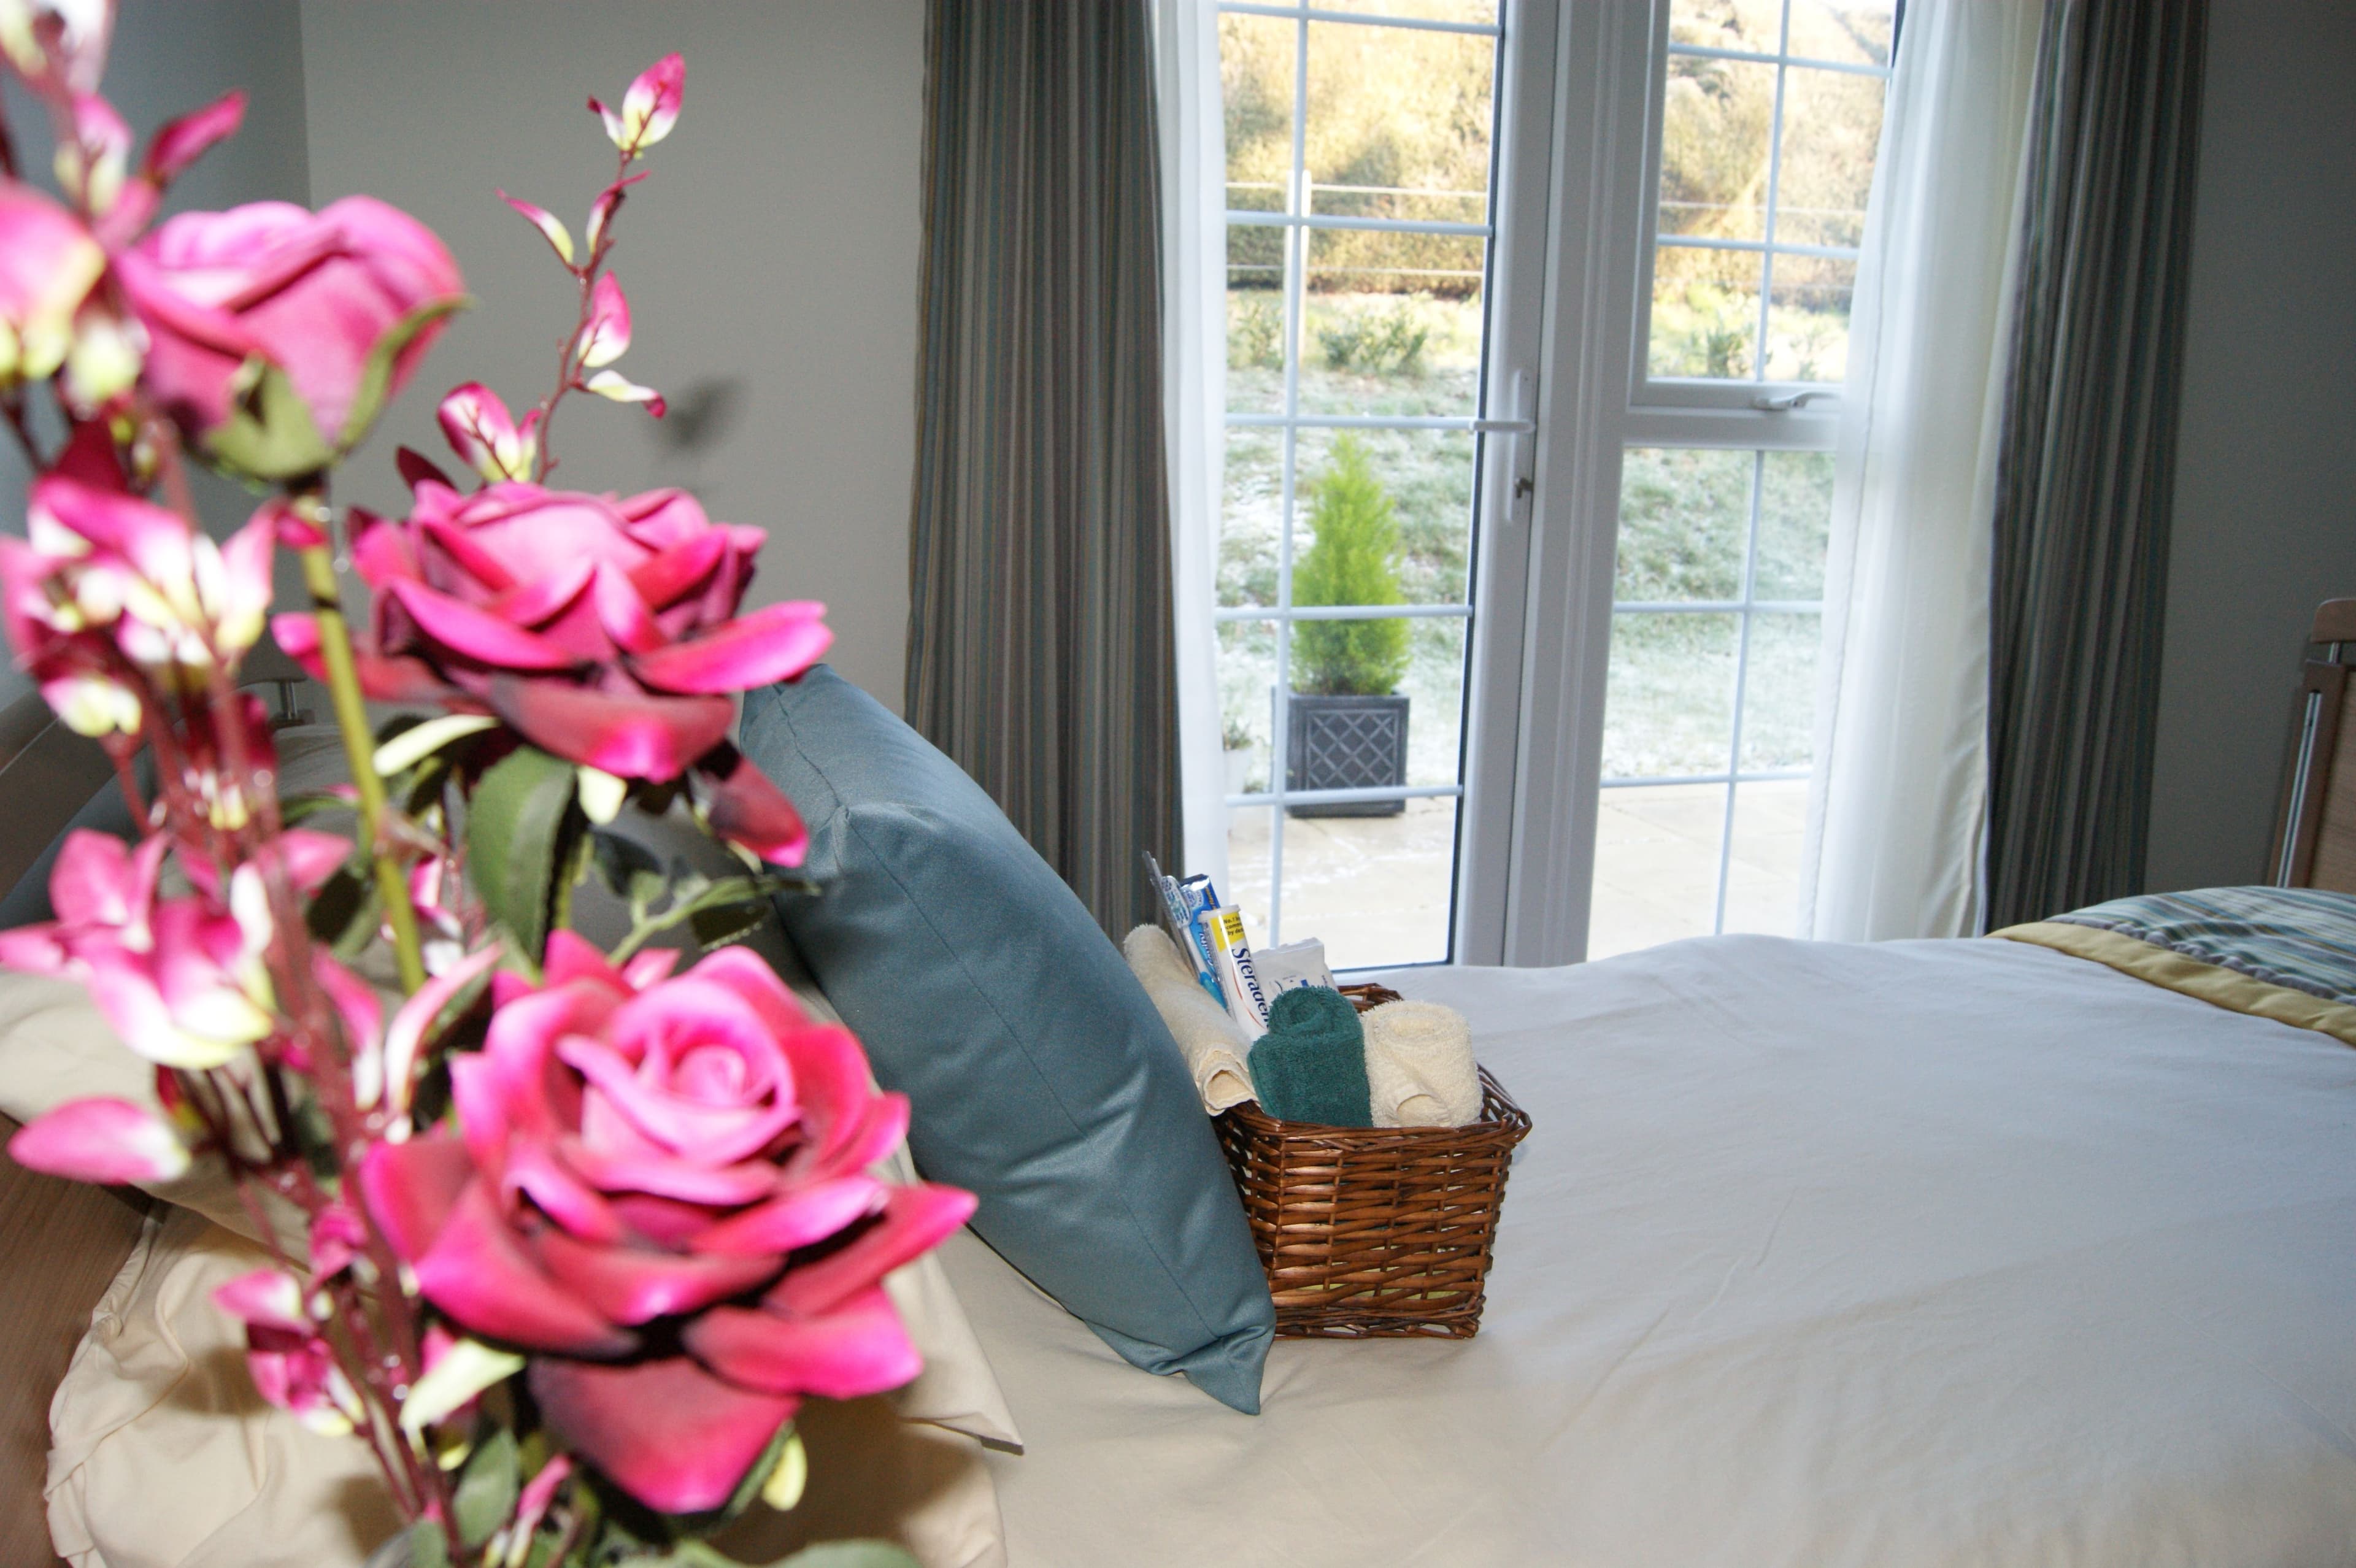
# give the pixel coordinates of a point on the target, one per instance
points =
(2289, 954)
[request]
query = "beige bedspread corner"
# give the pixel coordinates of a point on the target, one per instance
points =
(2210, 983)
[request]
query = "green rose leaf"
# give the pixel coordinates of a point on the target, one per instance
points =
(518, 825)
(488, 1487)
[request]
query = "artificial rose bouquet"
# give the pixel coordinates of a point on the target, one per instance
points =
(582, 1227)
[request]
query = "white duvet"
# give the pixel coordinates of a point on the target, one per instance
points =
(1922, 1253)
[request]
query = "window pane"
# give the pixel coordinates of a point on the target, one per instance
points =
(1655, 866)
(1252, 515)
(1683, 514)
(1704, 313)
(1398, 119)
(1795, 505)
(1832, 128)
(1849, 32)
(1256, 74)
(1404, 500)
(1434, 687)
(1807, 318)
(1392, 324)
(1669, 702)
(1754, 25)
(1374, 890)
(1247, 886)
(1247, 696)
(1715, 121)
(1483, 12)
(1762, 866)
(1779, 691)
(1255, 328)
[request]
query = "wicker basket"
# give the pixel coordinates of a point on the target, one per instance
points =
(1374, 1231)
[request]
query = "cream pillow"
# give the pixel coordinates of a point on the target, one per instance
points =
(164, 1456)
(148, 1385)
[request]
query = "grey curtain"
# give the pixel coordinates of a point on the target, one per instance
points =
(2086, 461)
(1039, 651)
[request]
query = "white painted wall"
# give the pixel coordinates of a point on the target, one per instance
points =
(772, 260)
(2265, 488)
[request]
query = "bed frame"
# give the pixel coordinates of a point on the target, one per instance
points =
(2315, 826)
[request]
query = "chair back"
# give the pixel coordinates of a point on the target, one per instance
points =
(2315, 828)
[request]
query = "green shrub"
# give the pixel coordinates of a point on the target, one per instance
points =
(1256, 332)
(1377, 341)
(1352, 560)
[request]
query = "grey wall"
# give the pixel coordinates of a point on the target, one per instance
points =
(169, 57)
(771, 260)
(2265, 501)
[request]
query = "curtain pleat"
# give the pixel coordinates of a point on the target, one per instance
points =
(2087, 461)
(1039, 651)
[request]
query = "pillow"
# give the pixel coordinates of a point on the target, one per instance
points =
(1041, 1077)
(164, 1456)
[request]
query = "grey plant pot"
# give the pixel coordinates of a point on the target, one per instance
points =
(1346, 742)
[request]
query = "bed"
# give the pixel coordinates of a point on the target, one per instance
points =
(1915, 1252)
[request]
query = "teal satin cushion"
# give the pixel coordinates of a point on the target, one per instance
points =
(1040, 1076)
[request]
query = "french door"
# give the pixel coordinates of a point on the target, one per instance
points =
(1385, 218)
(1534, 319)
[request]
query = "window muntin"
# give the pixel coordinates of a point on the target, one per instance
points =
(1357, 252)
(1770, 114)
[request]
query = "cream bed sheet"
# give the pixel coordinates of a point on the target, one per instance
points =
(1913, 1253)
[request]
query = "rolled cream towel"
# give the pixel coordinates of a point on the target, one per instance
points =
(1420, 1066)
(1214, 1047)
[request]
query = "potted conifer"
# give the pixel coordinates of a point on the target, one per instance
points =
(1348, 725)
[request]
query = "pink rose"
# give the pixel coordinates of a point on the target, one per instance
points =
(641, 1170)
(341, 303)
(603, 629)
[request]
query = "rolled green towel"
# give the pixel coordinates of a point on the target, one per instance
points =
(1311, 1065)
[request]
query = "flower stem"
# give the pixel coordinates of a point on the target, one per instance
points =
(359, 751)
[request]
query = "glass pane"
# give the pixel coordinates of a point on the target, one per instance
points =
(1434, 687)
(1779, 691)
(1704, 313)
(1255, 324)
(1832, 128)
(1251, 516)
(1796, 506)
(1481, 12)
(1398, 121)
(1807, 318)
(1655, 866)
(1256, 74)
(1669, 700)
(1715, 121)
(1246, 694)
(1849, 32)
(1683, 514)
(1762, 864)
(1398, 504)
(1247, 887)
(1392, 324)
(1374, 890)
(1754, 25)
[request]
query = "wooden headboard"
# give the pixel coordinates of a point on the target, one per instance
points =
(2315, 827)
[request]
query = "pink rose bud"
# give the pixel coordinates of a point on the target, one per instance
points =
(102, 1140)
(607, 335)
(479, 429)
(649, 108)
(552, 228)
(49, 262)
